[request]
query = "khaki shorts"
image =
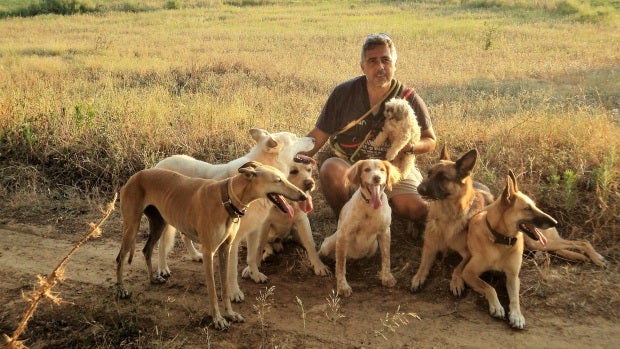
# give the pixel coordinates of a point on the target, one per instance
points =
(404, 186)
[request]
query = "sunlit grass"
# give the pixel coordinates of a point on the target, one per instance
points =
(94, 97)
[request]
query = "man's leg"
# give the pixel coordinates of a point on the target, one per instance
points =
(333, 183)
(408, 204)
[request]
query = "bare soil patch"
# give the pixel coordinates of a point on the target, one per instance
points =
(565, 304)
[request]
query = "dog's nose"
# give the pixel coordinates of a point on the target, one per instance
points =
(308, 184)
(376, 179)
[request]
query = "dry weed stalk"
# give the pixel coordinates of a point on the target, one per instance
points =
(46, 284)
(392, 322)
(333, 304)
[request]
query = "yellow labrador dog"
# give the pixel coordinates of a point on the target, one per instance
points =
(364, 222)
(279, 225)
(206, 211)
(495, 241)
(275, 149)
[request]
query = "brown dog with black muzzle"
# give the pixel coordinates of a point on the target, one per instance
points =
(207, 211)
(495, 241)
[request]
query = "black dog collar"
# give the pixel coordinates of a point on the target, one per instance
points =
(233, 211)
(499, 238)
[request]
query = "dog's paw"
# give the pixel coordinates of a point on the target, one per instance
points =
(122, 292)
(416, 283)
(388, 280)
(234, 317)
(164, 272)
(457, 286)
(196, 257)
(600, 261)
(321, 269)
(257, 276)
(267, 252)
(157, 279)
(344, 290)
(237, 296)
(220, 323)
(517, 320)
(496, 310)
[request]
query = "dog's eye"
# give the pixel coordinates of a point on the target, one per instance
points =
(294, 172)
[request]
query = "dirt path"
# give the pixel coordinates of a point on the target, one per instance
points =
(173, 314)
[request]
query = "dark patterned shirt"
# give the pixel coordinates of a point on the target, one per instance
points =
(347, 102)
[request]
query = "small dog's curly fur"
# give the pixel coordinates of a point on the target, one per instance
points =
(401, 128)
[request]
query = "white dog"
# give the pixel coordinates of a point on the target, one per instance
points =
(401, 128)
(275, 149)
(364, 222)
(279, 225)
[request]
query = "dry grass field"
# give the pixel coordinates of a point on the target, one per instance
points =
(92, 96)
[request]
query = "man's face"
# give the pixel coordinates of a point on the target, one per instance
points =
(378, 66)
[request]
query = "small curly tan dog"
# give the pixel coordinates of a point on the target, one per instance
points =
(364, 222)
(401, 128)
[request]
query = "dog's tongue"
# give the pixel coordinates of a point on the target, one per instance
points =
(282, 204)
(541, 237)
(307, 206)
(375, 196)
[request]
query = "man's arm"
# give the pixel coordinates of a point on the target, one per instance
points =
(426, 144)
(320, 138)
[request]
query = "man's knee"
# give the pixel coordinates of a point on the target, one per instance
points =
(410, 206)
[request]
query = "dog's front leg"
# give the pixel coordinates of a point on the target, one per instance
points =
(380, 139)
(387, 279)
(342, 286)
(236, 295)
(219, 322)
(429, 252)
(457, 285)
(512, 286)
(254, 244)
(471, 275)
(224, 255)
(166, 242)
(304, 233)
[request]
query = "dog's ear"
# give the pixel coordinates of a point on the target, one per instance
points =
(465, 164)
(252, 165)
(514, 180)
(393, 174)
(444, 155)
(508, 195)
(258, 133)
(353, 174)
(248, 172)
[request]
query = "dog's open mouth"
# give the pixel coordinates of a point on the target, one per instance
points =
(533, 232)
(303, 159)
(306, 206)
(281, 203)
(375, 195)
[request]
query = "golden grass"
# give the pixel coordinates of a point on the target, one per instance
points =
(90, 99)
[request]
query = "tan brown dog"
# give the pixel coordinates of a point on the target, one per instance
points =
(453, 200)
(275, 149)
(495, 241)
(206, 211)
(364, 222)
(279, 225)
